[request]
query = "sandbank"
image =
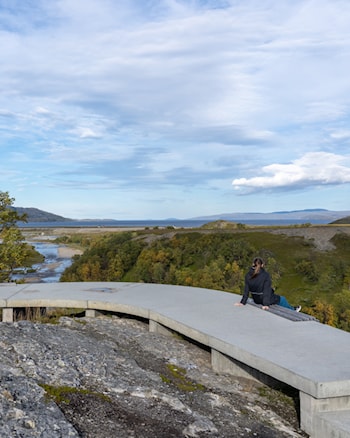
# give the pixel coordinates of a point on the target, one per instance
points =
(65, 252)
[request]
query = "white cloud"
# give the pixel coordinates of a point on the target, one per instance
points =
(181, 93)
(340, 134)
(313, 169)
(323, 111)
(188, 63)
(85, 132)
(42, 111)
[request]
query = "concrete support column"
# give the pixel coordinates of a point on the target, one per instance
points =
(155, 327)
(90, 313)
(226, 365)
(310, 407)
(7, 314)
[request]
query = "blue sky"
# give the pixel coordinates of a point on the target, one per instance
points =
(136, 109)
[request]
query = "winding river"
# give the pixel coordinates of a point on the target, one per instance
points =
(50, 270)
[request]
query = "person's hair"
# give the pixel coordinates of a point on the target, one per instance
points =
(257, 265)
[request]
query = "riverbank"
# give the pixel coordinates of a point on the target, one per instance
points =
(67, 252)
(57, 257)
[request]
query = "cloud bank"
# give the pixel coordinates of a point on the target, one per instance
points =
(313, 169)
(153, 108)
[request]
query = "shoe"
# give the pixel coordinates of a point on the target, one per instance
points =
(297, 308)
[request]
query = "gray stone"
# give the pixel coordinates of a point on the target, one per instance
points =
(125, 381)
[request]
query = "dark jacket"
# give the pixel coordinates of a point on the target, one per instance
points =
(260, 288)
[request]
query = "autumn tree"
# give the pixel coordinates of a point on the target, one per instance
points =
(324, 312)
(13, 249)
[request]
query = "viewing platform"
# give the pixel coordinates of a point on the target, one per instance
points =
(245, 341)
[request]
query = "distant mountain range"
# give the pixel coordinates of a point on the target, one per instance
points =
(309, 215)
(316, 215)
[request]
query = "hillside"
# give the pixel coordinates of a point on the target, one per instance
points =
(344, 220)
(36, 215)
(309, 265)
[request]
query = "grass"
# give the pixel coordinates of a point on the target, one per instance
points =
(44, 316)
(289, 251)
(273, 395)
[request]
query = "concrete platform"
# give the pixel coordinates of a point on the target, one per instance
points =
(309, 356)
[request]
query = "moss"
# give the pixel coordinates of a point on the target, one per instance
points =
(165, 379)
(273, 396)
(177, 376)
(60, 394)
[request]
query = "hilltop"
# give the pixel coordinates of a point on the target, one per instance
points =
(36, 215)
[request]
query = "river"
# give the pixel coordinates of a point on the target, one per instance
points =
(49, 271)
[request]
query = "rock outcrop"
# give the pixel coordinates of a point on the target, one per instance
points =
(110, 377)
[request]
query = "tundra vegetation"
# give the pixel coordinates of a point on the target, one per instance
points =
(217, 257)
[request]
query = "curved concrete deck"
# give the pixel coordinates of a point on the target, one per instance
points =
(309, 356)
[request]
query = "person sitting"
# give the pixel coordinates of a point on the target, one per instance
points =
(258, 284)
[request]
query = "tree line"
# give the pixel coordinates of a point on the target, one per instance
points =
(191, 259)
(219, 260)
(208, 258)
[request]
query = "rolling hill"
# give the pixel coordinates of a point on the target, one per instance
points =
(36, 215)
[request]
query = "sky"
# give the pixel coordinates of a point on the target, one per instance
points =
(146, 109)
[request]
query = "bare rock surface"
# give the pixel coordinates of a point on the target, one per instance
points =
(110, 377)
(319, 236)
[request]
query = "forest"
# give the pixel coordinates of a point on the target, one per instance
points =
(218, 259)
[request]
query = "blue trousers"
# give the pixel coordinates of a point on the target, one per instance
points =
(284, 303)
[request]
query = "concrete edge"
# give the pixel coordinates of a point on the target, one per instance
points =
(45, 302)
(265, 366)
(128, 309)
(231, 351)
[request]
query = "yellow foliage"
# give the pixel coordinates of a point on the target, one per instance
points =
(324, 312)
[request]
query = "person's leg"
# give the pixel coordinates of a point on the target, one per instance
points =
(284, 303)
